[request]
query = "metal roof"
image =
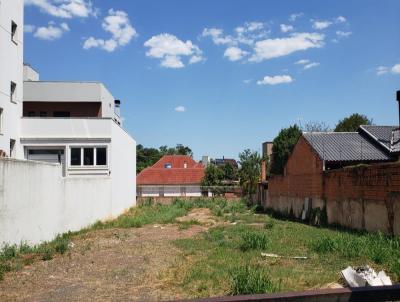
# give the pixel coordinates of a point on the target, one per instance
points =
(344, 146)
(382, 134)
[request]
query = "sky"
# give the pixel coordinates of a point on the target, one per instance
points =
(223, 76)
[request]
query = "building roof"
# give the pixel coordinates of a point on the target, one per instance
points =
(174, 174)
(223, 161)
(381, 134)
(345, 146)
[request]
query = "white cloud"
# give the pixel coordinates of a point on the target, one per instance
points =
(343, 34)
(170, 50)
(321, 24)
(180, 109)
(51, 32)
(116, 23)
(217, 36)
(64, 8)
(311, 65)
(28, 28)
(247, 81)
(302, 62)
(295, 16)
(340, 19)
(395, 68)
(381, 70)
(274, 48)
(286, 28)
(234, 53)
(275, 80)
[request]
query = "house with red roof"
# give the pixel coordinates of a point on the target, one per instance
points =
(171, 176)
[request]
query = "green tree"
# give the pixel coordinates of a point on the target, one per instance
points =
(213, 177)
(230, 172)
(250, 171)
(351, 123)
(283, 146)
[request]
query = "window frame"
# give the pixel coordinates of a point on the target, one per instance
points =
(82, 165)
(1, 120)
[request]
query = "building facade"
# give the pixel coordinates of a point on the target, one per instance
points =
(11, 76)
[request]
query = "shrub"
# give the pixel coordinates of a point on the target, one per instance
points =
(269, 224)
(47, 252)
(61, 244)
(247, 280)
(324, 245)
(253, 240)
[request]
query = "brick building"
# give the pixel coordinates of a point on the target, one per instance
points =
(352, 176)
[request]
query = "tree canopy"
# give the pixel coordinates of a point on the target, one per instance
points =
(250, 171)
(351, 123)
(282, 146)
(146, 157)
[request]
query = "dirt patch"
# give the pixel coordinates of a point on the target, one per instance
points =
(104, 265)
(203, 216)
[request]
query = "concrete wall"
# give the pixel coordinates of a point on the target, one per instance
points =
(37, 203)
(122, 169)
(361, 197)
(11, 64)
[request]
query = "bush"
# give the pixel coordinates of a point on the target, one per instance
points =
(247, 280)
(61, 244)
(253, 240)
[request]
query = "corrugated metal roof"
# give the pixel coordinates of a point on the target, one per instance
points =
(344, 146)
(382, 134)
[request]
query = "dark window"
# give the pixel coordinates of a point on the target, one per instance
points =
(31, 113)
(101, 156)
(13, 88)
(13, 31)
(75, 156)
(167, 166)
(61, 114)
(43, 113)
(88, 156)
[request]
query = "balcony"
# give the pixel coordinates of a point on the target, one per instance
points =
(43, 129)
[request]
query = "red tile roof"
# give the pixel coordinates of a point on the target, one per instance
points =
(176, 175)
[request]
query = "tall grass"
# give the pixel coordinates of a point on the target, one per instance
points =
(253, 240)
(246, 280)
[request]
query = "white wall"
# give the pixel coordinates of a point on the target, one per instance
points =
(123, 168)
(37, 203)
(11, 64)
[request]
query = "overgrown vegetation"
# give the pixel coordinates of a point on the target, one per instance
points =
(351, 123)
(13, 257)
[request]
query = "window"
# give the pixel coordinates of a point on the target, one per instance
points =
(1, 120)
(43, 113)
(31, 113)
(167, 166)
(13, 89)
(88, 157)
(14, 28)
(101, 156)
(12, 147)
(61, 114)
(75, 156)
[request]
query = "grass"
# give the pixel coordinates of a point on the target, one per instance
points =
(227, 259)
(13, 257)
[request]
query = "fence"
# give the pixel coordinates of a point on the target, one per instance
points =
(186, 190)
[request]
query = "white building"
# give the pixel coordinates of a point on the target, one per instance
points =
(11, 90)
(65, 160)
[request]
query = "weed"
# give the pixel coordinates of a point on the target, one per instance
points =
(269, 224)
(184, 225)
(246, 280)
(253, 240)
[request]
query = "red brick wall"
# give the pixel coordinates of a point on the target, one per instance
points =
(81, 109)
(362, 197)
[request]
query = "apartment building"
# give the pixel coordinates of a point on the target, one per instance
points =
(11, 76)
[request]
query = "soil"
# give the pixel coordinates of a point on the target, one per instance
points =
(106, 265)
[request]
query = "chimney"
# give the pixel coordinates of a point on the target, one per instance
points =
(117, 107)
(263, 170)
(398, 100)
(205, 160)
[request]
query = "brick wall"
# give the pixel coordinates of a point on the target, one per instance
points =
(363, 197)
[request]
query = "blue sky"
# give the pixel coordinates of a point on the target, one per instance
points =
(222, 76)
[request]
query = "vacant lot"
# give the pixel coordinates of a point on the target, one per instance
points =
(188, 249)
